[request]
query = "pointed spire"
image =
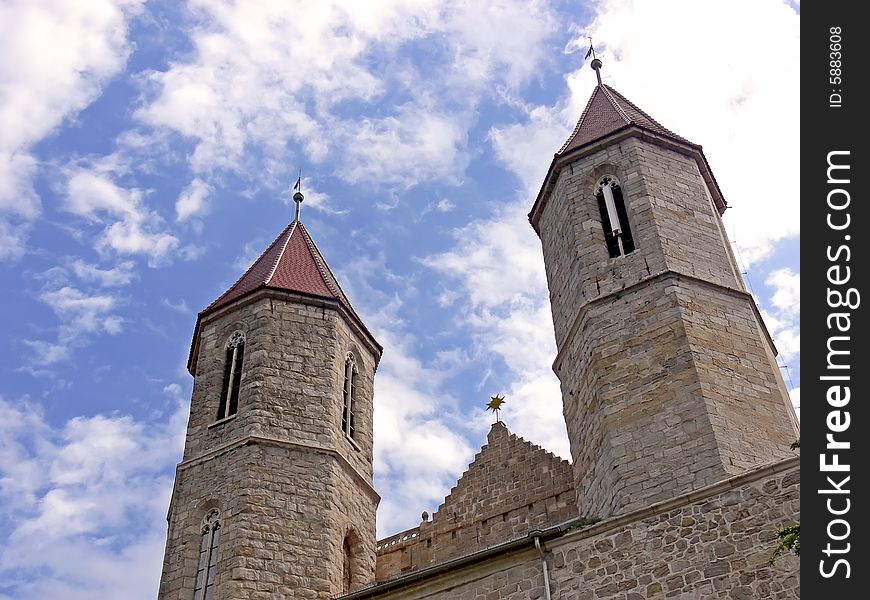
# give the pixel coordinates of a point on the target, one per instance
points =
(596, 66)
(609, 111)
(298, 197)
(596, 62)
(292, 263)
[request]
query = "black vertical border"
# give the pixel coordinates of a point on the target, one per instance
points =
(825, 129)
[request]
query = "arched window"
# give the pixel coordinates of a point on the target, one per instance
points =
(208, 551)
(614, 218)
(348, 426)
(235, 354)
(346, 571)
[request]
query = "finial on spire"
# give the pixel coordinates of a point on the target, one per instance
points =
(298, 197)
(494, 405)
(596, 62)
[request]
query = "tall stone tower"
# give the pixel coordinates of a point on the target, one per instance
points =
(274, 495)
(669, 378)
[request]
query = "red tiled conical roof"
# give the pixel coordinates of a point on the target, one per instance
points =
(292, 263)
(609, 111)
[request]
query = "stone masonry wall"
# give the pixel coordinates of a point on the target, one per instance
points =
(292, 378)
(290, 485)
(673, 222)
(511, 488)
(669, 390)
(284, 515)
(711, 544)
(659, 353)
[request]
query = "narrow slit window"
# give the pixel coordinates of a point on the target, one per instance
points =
(208, 555)
(347, 573)
(614, 217)
(235, 354)
(348, 424)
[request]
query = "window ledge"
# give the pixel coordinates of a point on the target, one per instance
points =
(222, 421)
(353, 443)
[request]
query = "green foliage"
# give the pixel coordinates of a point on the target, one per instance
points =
(789, 539)
(584, 522)
(790, 536)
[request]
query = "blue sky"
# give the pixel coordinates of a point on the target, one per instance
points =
(147, 150)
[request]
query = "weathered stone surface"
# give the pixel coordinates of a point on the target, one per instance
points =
(599, 562)
(672, 399)
(289, 484)
(661, 356)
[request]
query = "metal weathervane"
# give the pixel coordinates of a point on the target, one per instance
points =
(590, 51)
(298, 197)
(494, 405)
(596, 62)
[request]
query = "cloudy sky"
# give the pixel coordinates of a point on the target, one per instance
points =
(146, 155)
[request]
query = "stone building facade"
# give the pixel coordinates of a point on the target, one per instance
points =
(677, 416)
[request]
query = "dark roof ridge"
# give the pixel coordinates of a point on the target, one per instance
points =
(262, 255)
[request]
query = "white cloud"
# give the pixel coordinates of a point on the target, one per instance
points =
(118, 276)
(525, 148)
(180, 307)
(485, 48)
(263, 74)
(495, 260)
(12, 239)
(193, 200)
(81, 316)
(174, 390)
(134, 228)
(416, 144)
(90, 193)
(498, 265)
(83, 313)
(83, 505)
(784, 323)
(17, 197)
(747, 118)
(45, 354)
(56, 57)
(444, 205)
(787, 290)
(420, 450)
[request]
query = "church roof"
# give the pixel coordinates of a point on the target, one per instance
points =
(607, 112)
(292, 263)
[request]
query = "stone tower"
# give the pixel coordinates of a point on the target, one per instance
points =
(669, 378)
(274, 495)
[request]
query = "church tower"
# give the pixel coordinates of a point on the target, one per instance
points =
(668, 374)
(274, 495)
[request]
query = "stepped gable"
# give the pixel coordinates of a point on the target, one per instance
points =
(291, 263)
(507, 473)
(511, 488)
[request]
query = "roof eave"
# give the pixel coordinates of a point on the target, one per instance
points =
(630, 130)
